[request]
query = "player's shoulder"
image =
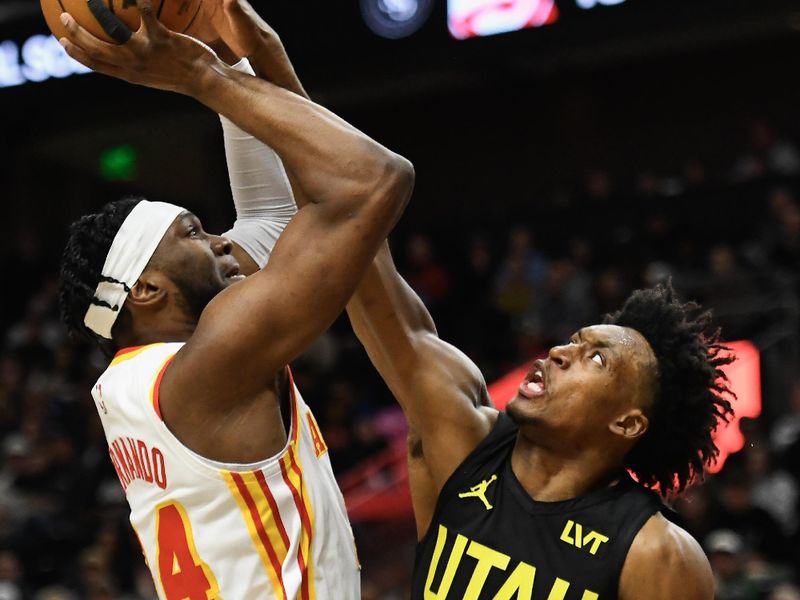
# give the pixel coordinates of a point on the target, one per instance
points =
(140, 360)
(659, 552)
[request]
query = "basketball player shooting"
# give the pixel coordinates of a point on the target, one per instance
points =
(229, 484)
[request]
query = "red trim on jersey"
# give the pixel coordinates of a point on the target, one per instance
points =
(157, 386)
(273, 506)
(259, 525)
(128, 350)
(304, 519)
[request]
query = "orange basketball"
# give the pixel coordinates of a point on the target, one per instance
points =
(183, 16)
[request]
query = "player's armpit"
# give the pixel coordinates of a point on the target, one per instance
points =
(665, 563)
(424, 493)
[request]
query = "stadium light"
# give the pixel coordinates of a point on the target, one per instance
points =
(395, 19)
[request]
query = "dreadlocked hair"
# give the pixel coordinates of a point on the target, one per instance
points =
(691, 388)
(90, 239)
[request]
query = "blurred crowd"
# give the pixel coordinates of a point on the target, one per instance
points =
(503, 293)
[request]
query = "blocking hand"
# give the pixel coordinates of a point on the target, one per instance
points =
(248, 35)
(241, 28)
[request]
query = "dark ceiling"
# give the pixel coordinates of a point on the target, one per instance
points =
(509, 115)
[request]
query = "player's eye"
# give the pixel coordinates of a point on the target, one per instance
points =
(598, 358)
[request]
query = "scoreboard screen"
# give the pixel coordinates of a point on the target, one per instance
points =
(477, 18)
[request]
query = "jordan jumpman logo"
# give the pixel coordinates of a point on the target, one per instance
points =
(479, 491)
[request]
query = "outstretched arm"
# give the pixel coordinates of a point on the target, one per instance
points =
(260, 183)
(438, 387)
(357, 190)
(261, 191)
(441, 390)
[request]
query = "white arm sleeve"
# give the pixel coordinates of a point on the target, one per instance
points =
(261, 190)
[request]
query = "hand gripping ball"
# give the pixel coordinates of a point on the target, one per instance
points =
(97, 16)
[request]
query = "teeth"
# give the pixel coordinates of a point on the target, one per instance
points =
(535, 387)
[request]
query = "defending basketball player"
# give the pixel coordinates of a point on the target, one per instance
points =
(536, 503)
(230, 486)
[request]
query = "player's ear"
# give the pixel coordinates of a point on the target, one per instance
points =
(632, 424)
(149, 290)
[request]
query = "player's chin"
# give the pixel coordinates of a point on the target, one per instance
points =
(524, 411)
(516, 409)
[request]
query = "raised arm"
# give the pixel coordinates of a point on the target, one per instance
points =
(438, 387)
(357, 191)
(440, 390)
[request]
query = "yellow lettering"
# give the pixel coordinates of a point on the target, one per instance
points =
(487, 559)
(559, 589)
(450, 569)
(565, 534)
(519, 584)
(578, 535)
(595, 539)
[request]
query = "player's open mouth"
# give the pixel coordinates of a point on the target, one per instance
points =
(534, 384)
(234, 274)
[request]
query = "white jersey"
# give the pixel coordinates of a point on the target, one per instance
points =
(272, 530)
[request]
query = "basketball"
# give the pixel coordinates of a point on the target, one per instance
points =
(182, 16)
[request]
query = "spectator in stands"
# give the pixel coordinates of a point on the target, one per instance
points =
(695, 508)
(726, 553)
(521, 274)
(478, 327)
(737, 513)
(564, 303)
(11, 584)
(773, 489)
(779, 234)
(768, 154)
(730, 292)
(786, 429)
(427, 276)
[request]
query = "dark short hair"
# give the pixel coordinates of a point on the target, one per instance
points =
(691, 389)
(90, 239)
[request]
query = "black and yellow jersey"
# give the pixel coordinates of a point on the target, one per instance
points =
(490, 540)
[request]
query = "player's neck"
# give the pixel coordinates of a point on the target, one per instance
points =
(551, 477)
(175, 331)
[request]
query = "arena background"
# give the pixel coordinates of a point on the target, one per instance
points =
(557, 169)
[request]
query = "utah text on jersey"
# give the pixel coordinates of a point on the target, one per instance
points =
(518, 585)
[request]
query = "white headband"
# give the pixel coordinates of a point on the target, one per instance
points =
(131, 250)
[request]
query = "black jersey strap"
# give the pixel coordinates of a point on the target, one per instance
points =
(111, 24)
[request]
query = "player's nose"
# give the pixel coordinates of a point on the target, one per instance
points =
(561, 356)
(221, 245)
